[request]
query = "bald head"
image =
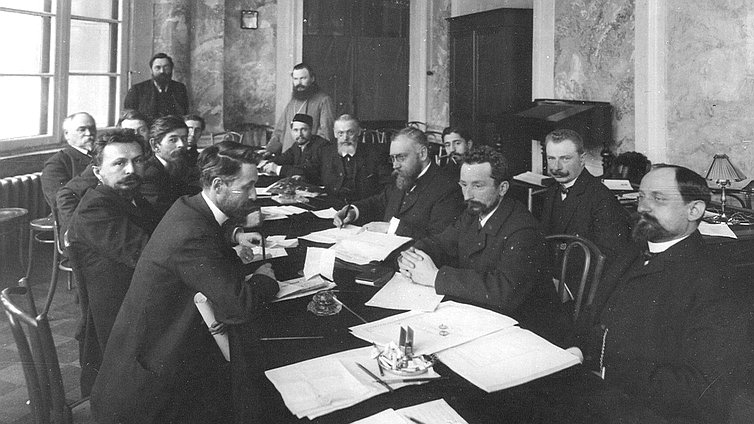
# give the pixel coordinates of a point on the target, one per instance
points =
(80, 130)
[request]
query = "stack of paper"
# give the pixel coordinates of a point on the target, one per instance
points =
(401, 293)
(322, 385)
(333, 235)
(436, 411)
(271, 213)
(299, 287)
(533, 178)
(367, 246)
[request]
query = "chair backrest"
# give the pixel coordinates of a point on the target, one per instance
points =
(588, 271)
(39, 359)
(225, 136)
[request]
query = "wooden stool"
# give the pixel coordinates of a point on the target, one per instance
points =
(14, 221)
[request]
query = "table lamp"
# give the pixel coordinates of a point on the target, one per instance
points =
(722, 171)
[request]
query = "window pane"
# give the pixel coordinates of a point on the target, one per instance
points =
(90, 94)
(94, 8)
(90, 46)
(24, 53)
(35, 5)
(25, 109)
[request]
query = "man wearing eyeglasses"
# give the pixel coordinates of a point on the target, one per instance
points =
(421, 202)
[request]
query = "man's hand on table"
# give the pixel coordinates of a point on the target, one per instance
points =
(344, 216)
(249, 239)
(418, 267)
(266, 269)
(377, 227)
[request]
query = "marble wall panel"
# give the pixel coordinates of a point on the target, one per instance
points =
(249, 64)
(171, 34)
(207, 75)
(710, 82)
(594, 59)
(438, 94)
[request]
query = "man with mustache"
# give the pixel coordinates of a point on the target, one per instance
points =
(423, 201)
(79, 131)
(457, 141)
(495, 255)
(159, 96)
(307, 99)
(107, 234)
(168, 174)
(161, 364)
(668, 327)
(306, 148)
(579, 203)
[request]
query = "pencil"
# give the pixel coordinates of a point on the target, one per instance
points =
(264, 254)
(351, 311)
(376, 379)
(292, 338)
(414, 420)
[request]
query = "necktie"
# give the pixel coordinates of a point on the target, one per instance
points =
(564, 190)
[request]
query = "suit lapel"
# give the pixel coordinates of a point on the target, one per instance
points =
(410, 197)
(573, 200)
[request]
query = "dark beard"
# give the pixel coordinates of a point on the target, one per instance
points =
(179, 163)
(306, 93)
(481, 209)
(405, 182)
(647, 228)
(162, 80)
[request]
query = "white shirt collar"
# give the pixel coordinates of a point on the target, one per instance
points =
(483, 220)
(161, 90)
(81, 149)
(663, 245)
(220, 217)
(424, 171)
(162, 161)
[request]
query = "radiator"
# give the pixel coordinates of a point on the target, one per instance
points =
(24, 191)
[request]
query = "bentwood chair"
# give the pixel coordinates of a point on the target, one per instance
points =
(225, 136)
(39, 360)
(581, 266)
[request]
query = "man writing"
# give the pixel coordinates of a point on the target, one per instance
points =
(422, 201)
(159, 96)
(161, 363)
(307, 99)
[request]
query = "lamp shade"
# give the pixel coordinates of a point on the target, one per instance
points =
(723, 170)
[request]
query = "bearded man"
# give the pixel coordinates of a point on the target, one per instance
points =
(159, 96)
(422, 201)
(307, 99)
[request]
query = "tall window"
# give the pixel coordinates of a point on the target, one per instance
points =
(59, 57)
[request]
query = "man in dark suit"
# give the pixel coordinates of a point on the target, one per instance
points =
(79, 131)
(423, 201)
(306, 149)
(456, 141)
(669, 327)
(159, 96)
(350, 170)
(495, 255)
(107, 233)
(580, 204)
(161, 364)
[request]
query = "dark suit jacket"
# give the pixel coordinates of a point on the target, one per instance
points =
(159, 337)
(591, 211)
(69, 196)
(505, 265)
(59, 169)
(143, 97)
(431, 207)
(676, 330)
(371, 171)
(162, 189)
(294, 161)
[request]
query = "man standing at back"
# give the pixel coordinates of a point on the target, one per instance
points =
(159, 96)
(307, 99)
(580, 204)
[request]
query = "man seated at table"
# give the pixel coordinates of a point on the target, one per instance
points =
(302, 154)
(168, 174)
(580, 204)
(422, 201)
(196, 127)
(494, 255)
(457, 141)
(350, 170)
(107, 233)
(668, 326)
(161, 363)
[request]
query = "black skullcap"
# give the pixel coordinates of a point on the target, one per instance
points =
(301, 117)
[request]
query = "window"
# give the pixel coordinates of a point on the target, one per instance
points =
(59, 57)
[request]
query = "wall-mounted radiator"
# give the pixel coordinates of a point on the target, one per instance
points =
(24, 191)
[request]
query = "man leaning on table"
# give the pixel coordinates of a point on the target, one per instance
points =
(162, 364)
(422, 201)
(494, 255)
(668, 326)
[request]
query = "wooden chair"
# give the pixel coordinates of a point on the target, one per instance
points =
(589, 270)
(39, 359)
(227, 135)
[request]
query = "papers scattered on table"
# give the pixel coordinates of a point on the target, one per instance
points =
(332, 235)
(325, 213)
(367, 246)
(619, 185)
(402, 294)
(506, 358)
(322, 385)
(280, 212)
(299, 287)
(716, 230)
(208, 315)
(451, 324)
(436, 411)
(262, 191)
(270, 253)
(272, 242)
(319, 262)
(532, 178)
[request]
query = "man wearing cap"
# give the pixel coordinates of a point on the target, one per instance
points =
(305, 149)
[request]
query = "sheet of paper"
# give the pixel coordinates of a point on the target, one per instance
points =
(393, 225)
(325, 213)
(300, 287)
(333, 235)
(506, 358)
(451, 324)
(402, 294)
(270, 253)
(436, 411)
(532, 178)
(368, 246)
(319, 261)
(272, 242)
(622, 185)
(716, 230)
(388, 416)
(262, 191)
(208, 315)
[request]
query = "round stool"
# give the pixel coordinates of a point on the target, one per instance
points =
(14, 221)
(41, 230)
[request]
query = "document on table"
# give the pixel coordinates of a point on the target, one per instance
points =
(620, 185)
(272, 242)
(319, 261)
(451, 324)
(436, 411)
(333, 235)
(325, 213)
(279, 212)
(299, 287)
(506, 358)
(270, 253)
(402, 294)
(322, 385)
(533, 178)
(716, 230)
(367, 246)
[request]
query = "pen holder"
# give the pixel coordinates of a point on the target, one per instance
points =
(395, 361)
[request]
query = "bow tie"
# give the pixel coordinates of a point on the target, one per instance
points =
(563, 189)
